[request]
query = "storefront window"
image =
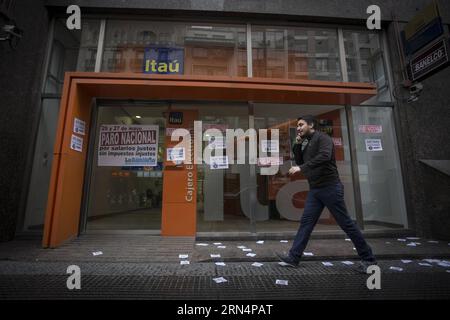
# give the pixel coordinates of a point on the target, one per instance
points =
(199, 49)
(122, 196)
(379, 167)
(295, 53)
(284, 196)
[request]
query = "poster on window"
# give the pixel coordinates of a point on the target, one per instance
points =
(270, 146)
(176, 154)
(219, 162)
(373, 145)
(216, 142)
(128, 145)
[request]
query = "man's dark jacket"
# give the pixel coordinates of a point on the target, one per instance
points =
(317, 161)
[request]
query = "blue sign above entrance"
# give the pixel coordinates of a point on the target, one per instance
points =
(164, 60)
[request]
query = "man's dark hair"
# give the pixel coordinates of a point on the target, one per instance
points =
(309, 119)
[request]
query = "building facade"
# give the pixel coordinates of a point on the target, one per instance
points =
(90, 114)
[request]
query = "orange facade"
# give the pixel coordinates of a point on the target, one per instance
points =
(179, 212)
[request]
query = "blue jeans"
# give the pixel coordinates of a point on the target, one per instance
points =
(331, 197)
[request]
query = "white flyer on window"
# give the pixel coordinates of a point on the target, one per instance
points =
(216, 142)
(218, 162)
(373, 145)
(76, 143)
(79, 126)
(270, 145)
(128, 145)
(176, 154)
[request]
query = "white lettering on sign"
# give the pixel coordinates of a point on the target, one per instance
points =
(428, 60)
(128, 145)
(190, 190)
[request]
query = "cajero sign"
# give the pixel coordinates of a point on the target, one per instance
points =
(164, 60)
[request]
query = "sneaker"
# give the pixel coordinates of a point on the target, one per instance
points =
(364, 264)
(289, 260)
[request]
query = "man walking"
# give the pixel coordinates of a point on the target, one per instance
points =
(314, 156)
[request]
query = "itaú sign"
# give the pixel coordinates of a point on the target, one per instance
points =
(429, 60)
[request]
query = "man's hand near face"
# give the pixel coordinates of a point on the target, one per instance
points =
(293, 170)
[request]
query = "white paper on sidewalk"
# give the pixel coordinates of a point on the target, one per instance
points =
(432, 260)
(220, 280)
(401, 240)
(412, 244)
(217, 243)
(308, 254)
(215, 255)
(406, 261)
(348, 263)
(220, 264)
(396, 268)
(327, 264)
(282, 263)
(201, 244)
(251, 254)
(182, 262)
(281, 282)
(348, 239)
(257, 264)
(221, 247)
(443, 264)
(97, 253)
(241, 247)
(183, 256)
(425, 264)
(284, 241)
(260, 242)
(247, 250)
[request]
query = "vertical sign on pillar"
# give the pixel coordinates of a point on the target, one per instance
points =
(179, 210)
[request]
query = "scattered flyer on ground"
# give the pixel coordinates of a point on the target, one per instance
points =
(97, 253)
(373, 145)
(128, 145)
(281, 282)
(220, 280)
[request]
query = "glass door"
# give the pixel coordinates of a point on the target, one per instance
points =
(126, 174)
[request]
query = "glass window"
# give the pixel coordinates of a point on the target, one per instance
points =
(379, 167)
(207, 49)
(365, 61)
(126, 197)
(295, 53)
(284, 196)
(72, 50)
(223, 194)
